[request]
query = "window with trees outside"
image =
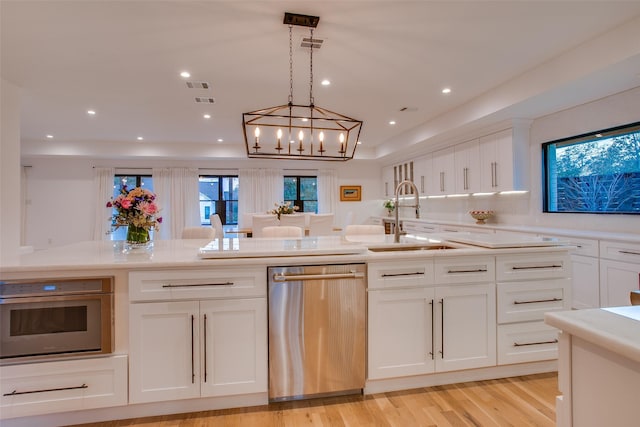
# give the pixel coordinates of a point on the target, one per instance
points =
(597, 172)
(302, 191)
(219, 194)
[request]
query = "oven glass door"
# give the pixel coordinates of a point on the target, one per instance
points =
(53, 325)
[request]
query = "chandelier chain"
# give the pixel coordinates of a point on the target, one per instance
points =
(311, 68)
(290, 64)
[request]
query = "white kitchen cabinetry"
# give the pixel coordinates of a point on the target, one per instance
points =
(418, 328)
(189, 347)
(529, 285)
(619, 272)
(422, 174)
(442, 172)
(504, 159)
(60, 386)
(467, 167)
(388, 182)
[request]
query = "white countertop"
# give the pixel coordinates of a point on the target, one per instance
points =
(100, 255)
(616, 329)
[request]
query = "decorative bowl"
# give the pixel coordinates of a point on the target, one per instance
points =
(481, 216)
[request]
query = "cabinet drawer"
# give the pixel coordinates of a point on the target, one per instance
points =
(619, 251)
(197, 284)
(526, 342)
(419, 227)
(386, 275)
(533, 266)
(471, 269)
(70, 385)
(528, 301)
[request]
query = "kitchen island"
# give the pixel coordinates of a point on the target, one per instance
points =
(439, 312)
(599, 366)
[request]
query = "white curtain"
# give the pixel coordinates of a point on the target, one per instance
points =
(178, 198)
(103, 189)
(327, 191)
(260, 189)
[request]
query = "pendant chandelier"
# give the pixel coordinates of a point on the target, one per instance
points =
(303, 132)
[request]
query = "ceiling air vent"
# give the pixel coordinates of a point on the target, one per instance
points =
(205, 100)
(308, 42)
(198, 85)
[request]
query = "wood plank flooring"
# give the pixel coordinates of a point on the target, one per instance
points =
(519, 401)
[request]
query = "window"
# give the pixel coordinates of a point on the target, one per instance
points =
(302, 191)
(594, 173)
(219, 194)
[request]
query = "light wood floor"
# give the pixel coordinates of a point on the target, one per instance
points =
(519, 401)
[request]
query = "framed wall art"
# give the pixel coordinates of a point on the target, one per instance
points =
(350, 193)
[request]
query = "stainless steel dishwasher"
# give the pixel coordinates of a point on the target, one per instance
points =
(316, 330)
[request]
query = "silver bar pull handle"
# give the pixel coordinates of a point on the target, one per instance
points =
(417, 273)
(196, 285)
(516, 344)
(538, 301)
(629, 252)
(533, 267)
(46, 390)
(477, 270)
(442, 329)
(328, 276)
(193, 362)
(433, 332)
(204, 343)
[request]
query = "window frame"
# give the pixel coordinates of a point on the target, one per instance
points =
(223, 216)
(298, 201)
(548, 176)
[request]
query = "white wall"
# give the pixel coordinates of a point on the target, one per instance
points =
(60, 197)
(10, 200)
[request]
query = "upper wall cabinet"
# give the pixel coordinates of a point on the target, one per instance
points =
(504, 159)
(422, 175)
(442, 172)
(388, 187)
(467, 167)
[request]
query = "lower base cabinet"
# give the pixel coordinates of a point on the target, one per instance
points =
(424, 330)
(60, 386)
(191, 349)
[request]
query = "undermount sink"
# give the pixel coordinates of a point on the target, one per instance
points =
(397, 248)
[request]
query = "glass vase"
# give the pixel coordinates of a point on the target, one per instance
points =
(138, 239)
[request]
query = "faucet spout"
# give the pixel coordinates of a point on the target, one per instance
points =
(416, 205)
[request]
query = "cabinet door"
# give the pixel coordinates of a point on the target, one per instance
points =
(442, 172)
(467, 167)
(496, 162)
(422, 176)
(234, 343)
(465, 327)
(585, 288)
(617, 279)
(163, 351)
(388, 182)
(400, 340)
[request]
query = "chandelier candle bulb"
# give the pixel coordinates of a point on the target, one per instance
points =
(342, 150)
(279, 135)
(300, 138)
(321, 138)
(257, 133)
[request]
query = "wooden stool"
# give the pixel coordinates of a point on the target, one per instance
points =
(634, 296)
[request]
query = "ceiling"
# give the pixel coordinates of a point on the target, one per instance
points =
(501, 59)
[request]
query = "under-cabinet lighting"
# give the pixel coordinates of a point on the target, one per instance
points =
(458, 195)
(437, 197)
(483, 194)
(514, 192)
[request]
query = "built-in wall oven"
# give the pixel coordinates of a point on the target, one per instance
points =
(52, 318)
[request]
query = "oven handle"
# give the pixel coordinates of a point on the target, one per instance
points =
(194, 285)
(17, 393)
(328, 276)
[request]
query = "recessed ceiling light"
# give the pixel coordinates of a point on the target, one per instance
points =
(207, 116)
(359, 142)
(392, 122)
(139, 138)
(446, 90)
(91, 112)
(220, 139)
(325, 82)
(185, 74)
(49, 136)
